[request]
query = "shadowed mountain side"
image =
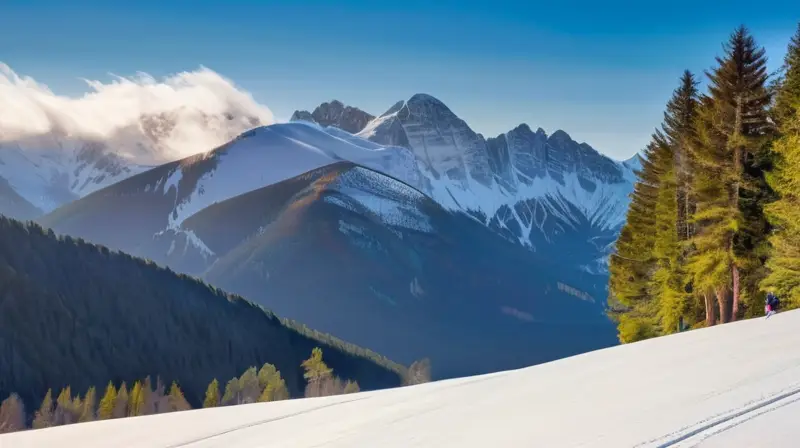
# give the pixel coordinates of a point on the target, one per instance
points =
(78, 314)
(369, 259)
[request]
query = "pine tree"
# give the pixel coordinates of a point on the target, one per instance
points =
(632, 263)
(731, 129)
(232, 393)
(316, 373)
(351, 387)
(105, 410)
(136, 400)
(44, 416)
(787, 98)
(12, 414)
(784, 214)
(274, 386)
(267, 375)
(121, 403)
(418, 372)
(176, 400)
(212, 395)
(64, 413)
(249, 387)
(88, 406)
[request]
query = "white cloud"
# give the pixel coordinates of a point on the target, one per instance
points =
(139, 117)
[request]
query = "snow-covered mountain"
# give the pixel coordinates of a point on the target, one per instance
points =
(335, 113)
(55, 149)
(52, 169)
(538, 190)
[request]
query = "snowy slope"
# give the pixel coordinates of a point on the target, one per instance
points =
(270, 154)
(719, 387)
(49, 171)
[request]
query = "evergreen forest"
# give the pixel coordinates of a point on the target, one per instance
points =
(78, 315)
(714, 219)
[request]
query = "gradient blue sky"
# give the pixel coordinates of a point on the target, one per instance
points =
(602, 71)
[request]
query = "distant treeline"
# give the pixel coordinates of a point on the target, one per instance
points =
(146, 398)
(714, 219)
(78, 314)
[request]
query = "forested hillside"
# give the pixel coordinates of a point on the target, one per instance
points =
(714, 219)
(77, 314)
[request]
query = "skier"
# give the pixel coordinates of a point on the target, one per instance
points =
(772, 304)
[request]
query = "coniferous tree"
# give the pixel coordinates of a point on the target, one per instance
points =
(351, 387)
(787, 97)
(44, 416)
(316, 373)
(136, 400)
(267, 374)
(64, 411)
(732, 127)
(88, 406)
(212, 395)
(784, 214)
(418, 372)
(176, 400)
(232, 393)
(632, 263)
(121, 403)
(12, 414)
(249, 389)
(105, 409)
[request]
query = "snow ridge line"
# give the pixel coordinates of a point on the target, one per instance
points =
(747, 410)
(260, 422)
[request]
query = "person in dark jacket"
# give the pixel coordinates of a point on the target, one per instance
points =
(772, 304)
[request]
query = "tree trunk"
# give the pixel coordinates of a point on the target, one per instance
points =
(722, 300)
(710, 317)
(736, 294)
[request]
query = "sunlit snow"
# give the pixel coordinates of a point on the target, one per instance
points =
(730, 386)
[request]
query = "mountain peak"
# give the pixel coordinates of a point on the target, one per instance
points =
(561, 136)
(335, 113)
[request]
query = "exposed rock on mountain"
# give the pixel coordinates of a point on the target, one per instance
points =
(346, 118)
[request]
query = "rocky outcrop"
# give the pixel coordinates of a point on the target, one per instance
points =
(335, 113)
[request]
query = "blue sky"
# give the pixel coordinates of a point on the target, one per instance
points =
(602, 71)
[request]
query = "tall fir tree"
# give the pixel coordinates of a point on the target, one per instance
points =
(121, 403)
(787, 97)
(177, 402)
(44, 416)
(136, 400)
(105, 409)
(88, 406)
(212, 395)
(784, 214)
(12, 414)
(632, 262)
(232, 393)
(732, 129)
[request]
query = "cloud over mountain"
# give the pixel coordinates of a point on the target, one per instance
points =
(150, 120)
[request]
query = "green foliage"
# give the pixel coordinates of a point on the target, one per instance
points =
(232, 393)
(272, 385)
(88, 406)
(315, 367)
(176, 400)
(105, 410)
(694, 246)
(44, 416)
(787, 98)
(351, 387)
(136, 400)
(212, 395)
(125, 318)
